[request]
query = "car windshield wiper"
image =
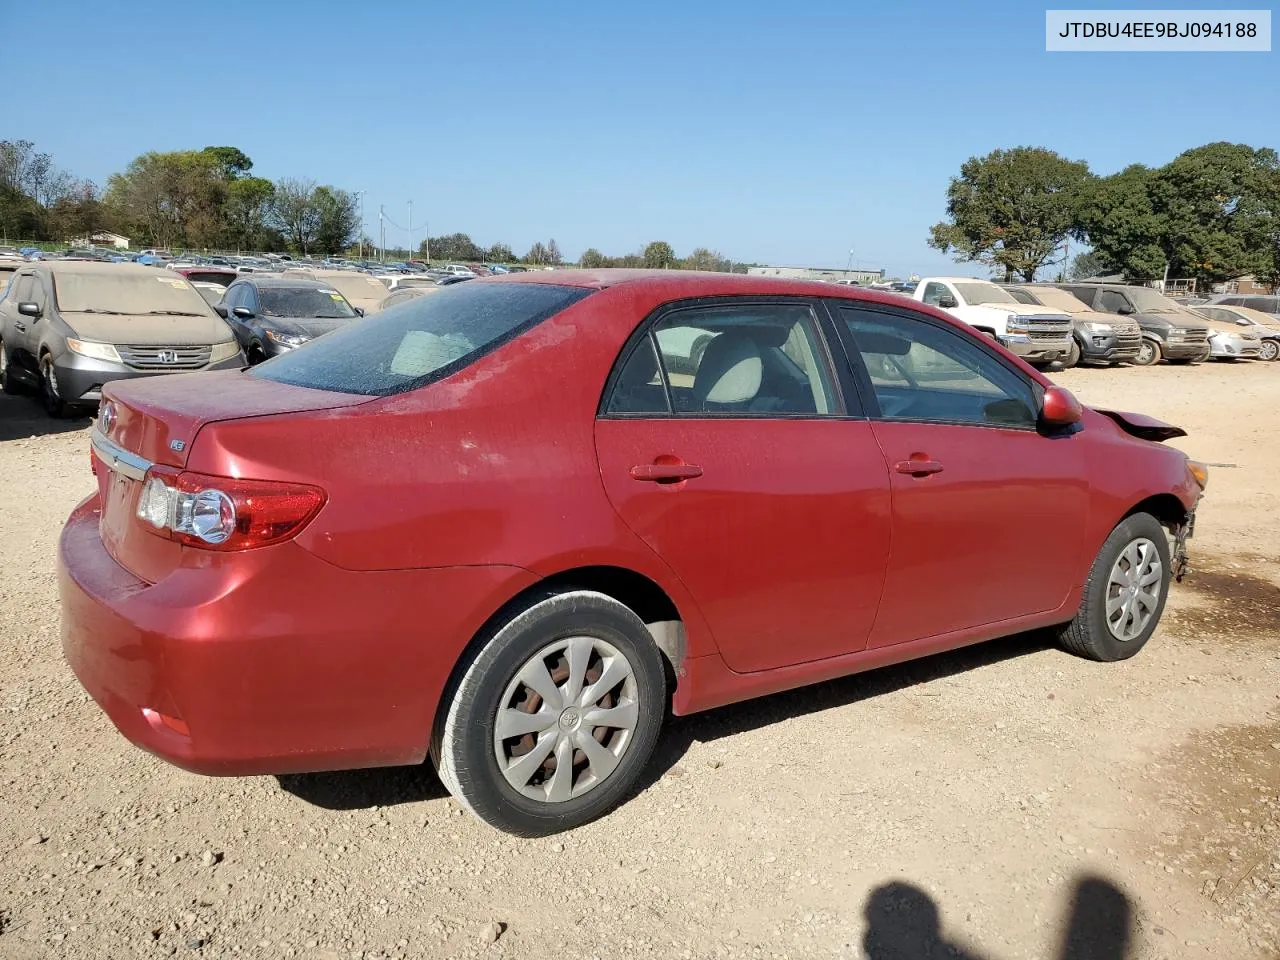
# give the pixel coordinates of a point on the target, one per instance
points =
(173, 313)
(114, 313)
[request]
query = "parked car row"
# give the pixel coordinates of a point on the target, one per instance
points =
(1106, 323)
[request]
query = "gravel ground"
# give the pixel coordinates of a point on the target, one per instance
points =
(1000, 802)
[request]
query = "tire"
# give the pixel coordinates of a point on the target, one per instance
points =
(1149, 354)
(8, 384)
(1139, 541)
(256, 355)
(1270, 350)
(1073, 355)
(467, 752)
(50, 398)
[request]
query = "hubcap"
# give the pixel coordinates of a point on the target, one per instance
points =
(1146, 353)
(1270, 349)
(50, 381)
(566, 719)
(1133, 589)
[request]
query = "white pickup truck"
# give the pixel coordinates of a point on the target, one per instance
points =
(1035, 334)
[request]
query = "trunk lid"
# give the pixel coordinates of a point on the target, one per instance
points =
(154, 421)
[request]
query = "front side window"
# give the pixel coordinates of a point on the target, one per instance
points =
(933, 292)
(922, 372)
(1111, 302)
(751, 359)
(421, 341)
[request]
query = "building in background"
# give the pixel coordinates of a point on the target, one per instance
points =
(102, 240)
(819, 273)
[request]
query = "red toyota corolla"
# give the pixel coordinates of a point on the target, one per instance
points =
(504, 525)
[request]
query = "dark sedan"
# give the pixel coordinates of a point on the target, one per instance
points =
(272, 315)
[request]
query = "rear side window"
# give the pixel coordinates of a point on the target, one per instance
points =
(421, 341)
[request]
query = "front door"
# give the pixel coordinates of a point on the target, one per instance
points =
(737, 461)
(988, 512)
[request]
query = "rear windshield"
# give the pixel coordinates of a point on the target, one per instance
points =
(127, 292)
(327, 303)
(421, 341)
(211, 276)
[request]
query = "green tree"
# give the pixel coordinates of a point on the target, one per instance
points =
(1011, 209)
(294, 212)
(231, 162)
(171, 198)
(455, 246)
(592, 259)
(553, 252)
(500, 253)
(337, 219)
(538, 254)
(1086, 265)
(703, 259)
(248, 211)
(78, 214)
(658, 255)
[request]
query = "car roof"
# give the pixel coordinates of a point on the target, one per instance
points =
(676, 284)
(97, 266)
(271, 280)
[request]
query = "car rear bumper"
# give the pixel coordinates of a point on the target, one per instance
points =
(80, 379)
(271, 660)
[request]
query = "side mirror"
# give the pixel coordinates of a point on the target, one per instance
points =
(29, 309)
(1060, 408)
(244, 313)
(1243, 323)
(1125, 310)
(359, 311)
(947, 302)
(221, 310)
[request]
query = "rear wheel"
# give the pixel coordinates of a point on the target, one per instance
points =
(8, 383)
(1125, 593)
(556, 716)
(1269, 350)
(1073, 355)
(1148, 353)
(50, 397)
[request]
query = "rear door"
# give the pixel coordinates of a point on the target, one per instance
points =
(730, 444)
(988, 512)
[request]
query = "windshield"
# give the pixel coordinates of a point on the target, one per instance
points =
(984, 293)
(127, 292)
(421, 341)
(1060, 299)
(357, 286)
(211, 276)
(313, 302)
(1146, 300)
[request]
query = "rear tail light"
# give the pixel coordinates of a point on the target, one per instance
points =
(221, 513)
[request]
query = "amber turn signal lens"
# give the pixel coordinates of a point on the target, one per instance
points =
(1200, 471)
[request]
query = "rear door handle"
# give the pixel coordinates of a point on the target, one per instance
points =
(665, 472)
(918, 468)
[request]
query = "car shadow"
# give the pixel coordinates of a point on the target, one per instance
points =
(680, 733)
(389, 786)
(23, 417)
(905, 923)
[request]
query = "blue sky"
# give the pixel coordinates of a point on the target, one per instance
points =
(778, 133)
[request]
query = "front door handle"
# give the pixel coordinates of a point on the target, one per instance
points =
(22, 327)
(918, 468)
(665, 472)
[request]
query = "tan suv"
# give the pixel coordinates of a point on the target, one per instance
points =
(69, 326)
(1096, 337)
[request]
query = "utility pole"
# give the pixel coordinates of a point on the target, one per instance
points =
(382, 234)
(410, 230)
(360, 198)
(426, 241)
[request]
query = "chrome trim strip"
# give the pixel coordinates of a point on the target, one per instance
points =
(117, 457)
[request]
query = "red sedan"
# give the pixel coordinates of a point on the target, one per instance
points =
(504, 526)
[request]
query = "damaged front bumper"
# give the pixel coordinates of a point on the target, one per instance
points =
(1181, 534)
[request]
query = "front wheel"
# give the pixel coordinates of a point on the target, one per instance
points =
(50, 397)
(556, 717)
(1148, 353)
(1073, 356)
(8, 384)
(1125, 593)
(1269, 350)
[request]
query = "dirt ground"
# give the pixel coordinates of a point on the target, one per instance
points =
(1006, 801)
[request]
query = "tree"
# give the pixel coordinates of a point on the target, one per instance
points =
(658, 255)
(294, 211)
(1011, 209)
(231, 162)
(248, 212)
(171, 198)
(1086, 265)
(337, 219)
(455, 246)
(500, 253)
(80, 213)
(553, 252)
(538, 254)
(703, 259)
(592, 259)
